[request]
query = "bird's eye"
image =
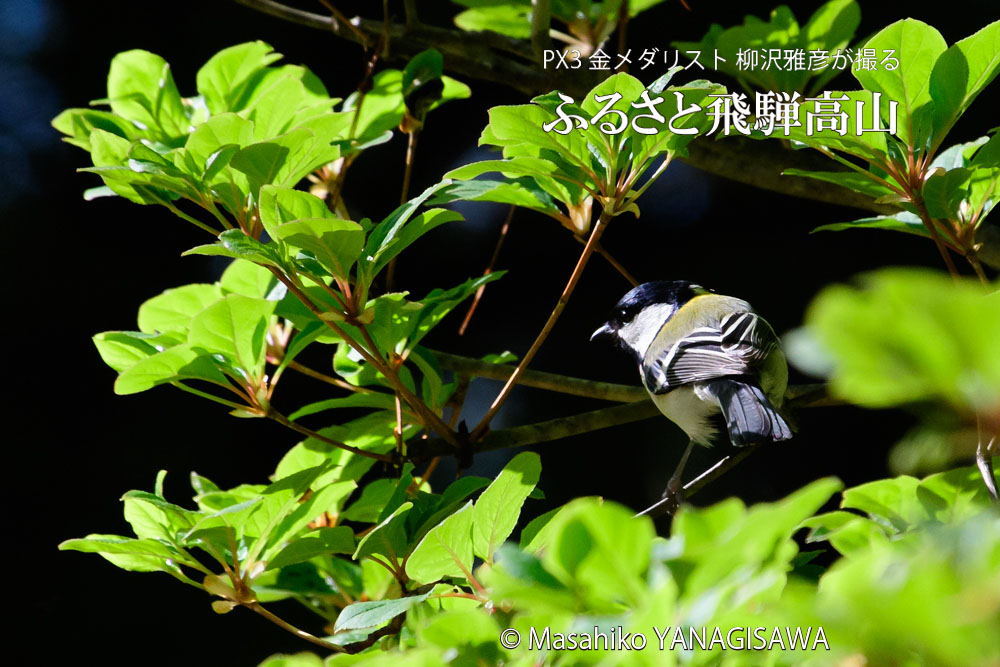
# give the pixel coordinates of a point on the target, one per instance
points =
(622, 313)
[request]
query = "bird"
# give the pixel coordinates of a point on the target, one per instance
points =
(700, 353)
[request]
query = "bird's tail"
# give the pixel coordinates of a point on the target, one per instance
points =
(750, 417)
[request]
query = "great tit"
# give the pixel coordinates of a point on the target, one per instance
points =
(700, 353)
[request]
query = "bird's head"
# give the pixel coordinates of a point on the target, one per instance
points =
(637, 317)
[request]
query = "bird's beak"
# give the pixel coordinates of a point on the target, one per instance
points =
(602, 333)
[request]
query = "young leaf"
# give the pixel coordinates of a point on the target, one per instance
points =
(335, 244)
(142, 89)
(235, 327)
(961, 73)
(375, 613)
(143, 555)
(445, 551)
(919, 46)
(388, 538)
(280, 205)
(496, 512)
(283, 160)
(180, 362)
(903, 221)
(172, 311)
(223, 80)
(123, 349)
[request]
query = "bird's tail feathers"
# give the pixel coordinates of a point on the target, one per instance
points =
(750, 417)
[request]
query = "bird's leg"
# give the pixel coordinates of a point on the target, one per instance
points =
(674, 486)
(673, 494)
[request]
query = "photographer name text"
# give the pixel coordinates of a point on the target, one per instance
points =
(668, 638)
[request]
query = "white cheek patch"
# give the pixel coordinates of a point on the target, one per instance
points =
(641, 331)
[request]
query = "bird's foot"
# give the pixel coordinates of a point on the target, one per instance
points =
(672, 499)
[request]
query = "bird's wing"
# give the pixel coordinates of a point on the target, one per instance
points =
(740, 342)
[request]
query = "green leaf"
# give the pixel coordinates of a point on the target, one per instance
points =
(180, 362)
(109, 153)
(172, 311)
(79, 123)
(325, 499)
(297, 660)
(223, 80)
(336, 540)
(388, 538)
(283, 160)
(422, 85)
(849, 179)
(899, 222)
(445, 551)
(251, 280)
(849, 533)
(143, 555)
(123, 349)
(374, 613)
(235, 327)
(205, 151)
(280, 205)
(919, 46)
(961, 73)
(944, 192)
(142, 89)
(601, 549)
(378, 400)
(384, 235)
(116, 544)
(499, 506)
(374, 498)
(524, 192)
(471, 633)
(507, 19)
(911, 335)
(335, 244)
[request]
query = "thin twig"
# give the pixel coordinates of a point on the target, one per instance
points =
(316, 375)
(600, 250)
(301, 634)
(574, 278)
(623, 11)
(489, 269)
(404, 196)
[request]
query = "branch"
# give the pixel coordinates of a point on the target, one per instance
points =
(797, 397)
(478, 55)
(541, 18)
(548, 431)
(605, 391)
(470, 54)
(760, 163)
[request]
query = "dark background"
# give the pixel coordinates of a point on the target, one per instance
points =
(74, 268)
